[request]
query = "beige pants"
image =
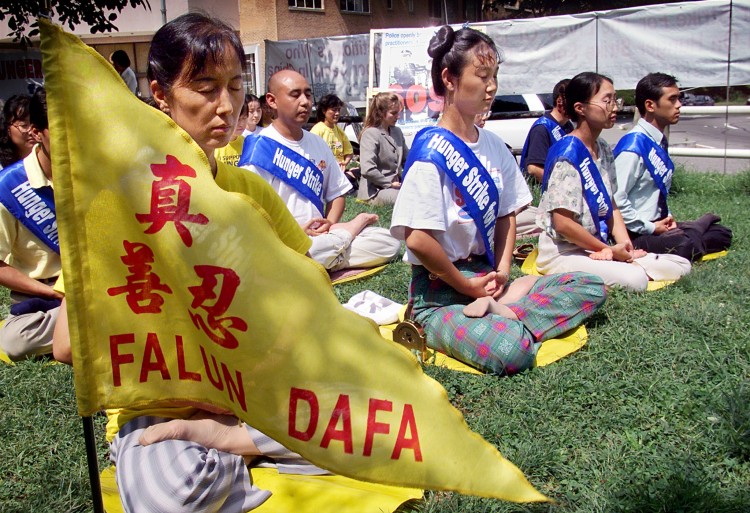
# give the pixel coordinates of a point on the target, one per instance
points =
(384, 197)
(337, 250)
(23, 336)
(633, 276)
(526, 222)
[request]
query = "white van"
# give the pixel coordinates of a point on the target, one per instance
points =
(512, 115)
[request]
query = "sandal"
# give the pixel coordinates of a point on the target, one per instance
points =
(522, 251)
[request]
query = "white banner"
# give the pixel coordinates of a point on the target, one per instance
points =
(740, 70)
(539, 52)
(689, 40)
(335, 65)
(20, 72)
(405, 70)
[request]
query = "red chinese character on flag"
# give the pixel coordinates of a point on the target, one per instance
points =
(214, 305)
(170, 200)
(142, 285)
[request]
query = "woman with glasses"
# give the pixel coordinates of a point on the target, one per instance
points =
(582, 226)
(16, 139)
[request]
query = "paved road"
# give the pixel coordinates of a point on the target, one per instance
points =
(702, 131)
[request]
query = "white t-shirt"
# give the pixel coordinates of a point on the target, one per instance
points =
(313, 148)
(257, 131)
(428, 200)
(128, 75)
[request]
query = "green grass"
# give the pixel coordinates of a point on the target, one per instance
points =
(653, 415)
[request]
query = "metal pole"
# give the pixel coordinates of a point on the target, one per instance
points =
(163, 12)
(93, 464)
(729, 67)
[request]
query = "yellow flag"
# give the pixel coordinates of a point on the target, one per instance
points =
(178, 290)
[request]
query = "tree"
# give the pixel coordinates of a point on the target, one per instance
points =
(99, 14)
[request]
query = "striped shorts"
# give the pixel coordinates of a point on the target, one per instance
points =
(178, 475)
(555, 304)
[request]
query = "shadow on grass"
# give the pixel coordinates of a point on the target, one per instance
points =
(734, 415)
(686, 488)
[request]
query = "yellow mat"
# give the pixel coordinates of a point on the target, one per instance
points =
(551, 350)
(529, 264)
(4, 357)
(529, 267)
(300, 494)
(339, 277)
(713, 256)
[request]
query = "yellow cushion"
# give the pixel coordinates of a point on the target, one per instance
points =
(294, 493)
(364, 273)
(713, 256)
(4, 357)
(529, 265)
(550, 351)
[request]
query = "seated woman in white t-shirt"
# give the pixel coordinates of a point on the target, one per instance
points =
(456, 212)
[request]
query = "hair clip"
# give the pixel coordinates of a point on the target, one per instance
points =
(465, 25)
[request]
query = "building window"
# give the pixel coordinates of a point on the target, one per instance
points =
(306, 4)
(248, 77)
(359, 6)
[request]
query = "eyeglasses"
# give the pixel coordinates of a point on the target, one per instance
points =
(610, 103)
(22, 127)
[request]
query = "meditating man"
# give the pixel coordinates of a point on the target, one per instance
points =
(302, 169)
(644, 176)
(545, 132)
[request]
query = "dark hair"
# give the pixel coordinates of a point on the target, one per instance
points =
(15, 109)
(250, 98)
(651, 87)
(186, 43)
(38, 110)
(559, 90)
(329, 101)
(582, 88)
(244, 110)
(121, 58)
(449, 50)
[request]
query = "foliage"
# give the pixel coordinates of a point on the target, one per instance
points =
(99, 14)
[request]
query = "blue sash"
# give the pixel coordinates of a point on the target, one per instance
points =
(285, 164)
(555, 130)
(657, 162)
(574, 151)
(454, 158)
(34, 208)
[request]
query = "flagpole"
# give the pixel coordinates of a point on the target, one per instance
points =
(93, 464)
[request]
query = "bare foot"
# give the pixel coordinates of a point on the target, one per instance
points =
(356, 225)
(517, 289)
(481, 306)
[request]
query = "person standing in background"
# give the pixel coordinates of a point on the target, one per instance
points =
(121, 63)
